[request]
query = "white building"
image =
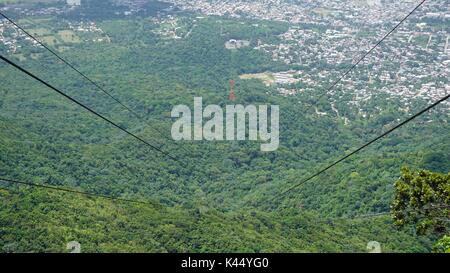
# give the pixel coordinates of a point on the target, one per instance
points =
(236, 44)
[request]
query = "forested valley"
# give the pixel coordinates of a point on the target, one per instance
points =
(217, 196)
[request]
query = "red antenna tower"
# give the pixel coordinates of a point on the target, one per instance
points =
(232, 96)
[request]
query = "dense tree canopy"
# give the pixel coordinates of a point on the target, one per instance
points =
(423, 199)
(221, 198)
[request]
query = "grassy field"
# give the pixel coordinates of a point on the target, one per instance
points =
(20, 57)
(421, 40)
(68, 36)
(265, 77)
(49, 40)
(40, 31)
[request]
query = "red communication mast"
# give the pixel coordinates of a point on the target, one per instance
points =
(232, 96)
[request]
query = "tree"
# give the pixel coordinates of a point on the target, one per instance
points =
(423, 199)
(443, 245)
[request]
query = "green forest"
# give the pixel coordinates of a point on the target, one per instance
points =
(217, 196)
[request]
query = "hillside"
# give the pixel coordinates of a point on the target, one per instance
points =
(217, 196)
(46, 221)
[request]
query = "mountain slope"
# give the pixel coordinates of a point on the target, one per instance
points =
(33, 220)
